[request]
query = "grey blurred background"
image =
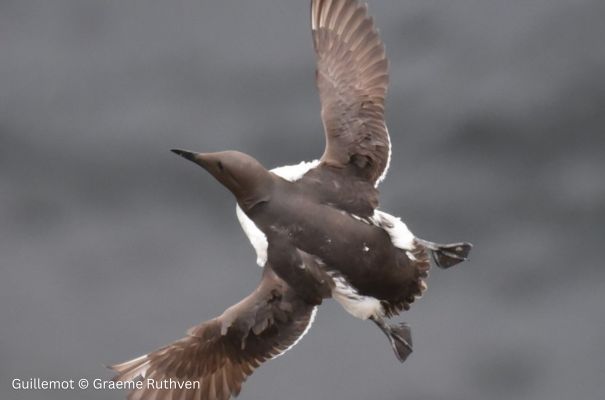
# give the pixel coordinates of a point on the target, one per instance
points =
(110, 246)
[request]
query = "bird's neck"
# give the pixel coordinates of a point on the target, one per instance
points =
(260, 192)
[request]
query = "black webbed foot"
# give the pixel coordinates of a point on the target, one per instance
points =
(447, 255)
(400, 337)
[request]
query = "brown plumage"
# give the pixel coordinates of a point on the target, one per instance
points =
(221, 353)
(317, 231)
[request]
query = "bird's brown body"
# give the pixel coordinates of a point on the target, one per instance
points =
(315, 227)
(309, 216)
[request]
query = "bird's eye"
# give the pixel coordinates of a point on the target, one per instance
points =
(220, 166)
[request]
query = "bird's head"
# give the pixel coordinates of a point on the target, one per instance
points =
(243, 175)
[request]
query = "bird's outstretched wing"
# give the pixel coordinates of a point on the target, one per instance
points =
(221, 353)
(352, 78)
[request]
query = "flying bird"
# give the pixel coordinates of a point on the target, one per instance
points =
(315, 228)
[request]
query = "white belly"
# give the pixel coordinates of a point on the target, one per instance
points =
(362, 307)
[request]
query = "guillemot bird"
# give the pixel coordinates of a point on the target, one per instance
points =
(315, 227)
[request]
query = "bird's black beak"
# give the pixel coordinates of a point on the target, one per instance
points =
(189, 155)
(201, 159)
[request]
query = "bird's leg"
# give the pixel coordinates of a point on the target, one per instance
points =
(400, 336)
(447, 255)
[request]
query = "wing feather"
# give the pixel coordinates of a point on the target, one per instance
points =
(352, 78)
(221, 353)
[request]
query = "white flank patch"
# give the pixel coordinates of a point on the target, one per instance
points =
(256, 237)
(311, 320)
(400, 235)
(362, 307)
(292, 173)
